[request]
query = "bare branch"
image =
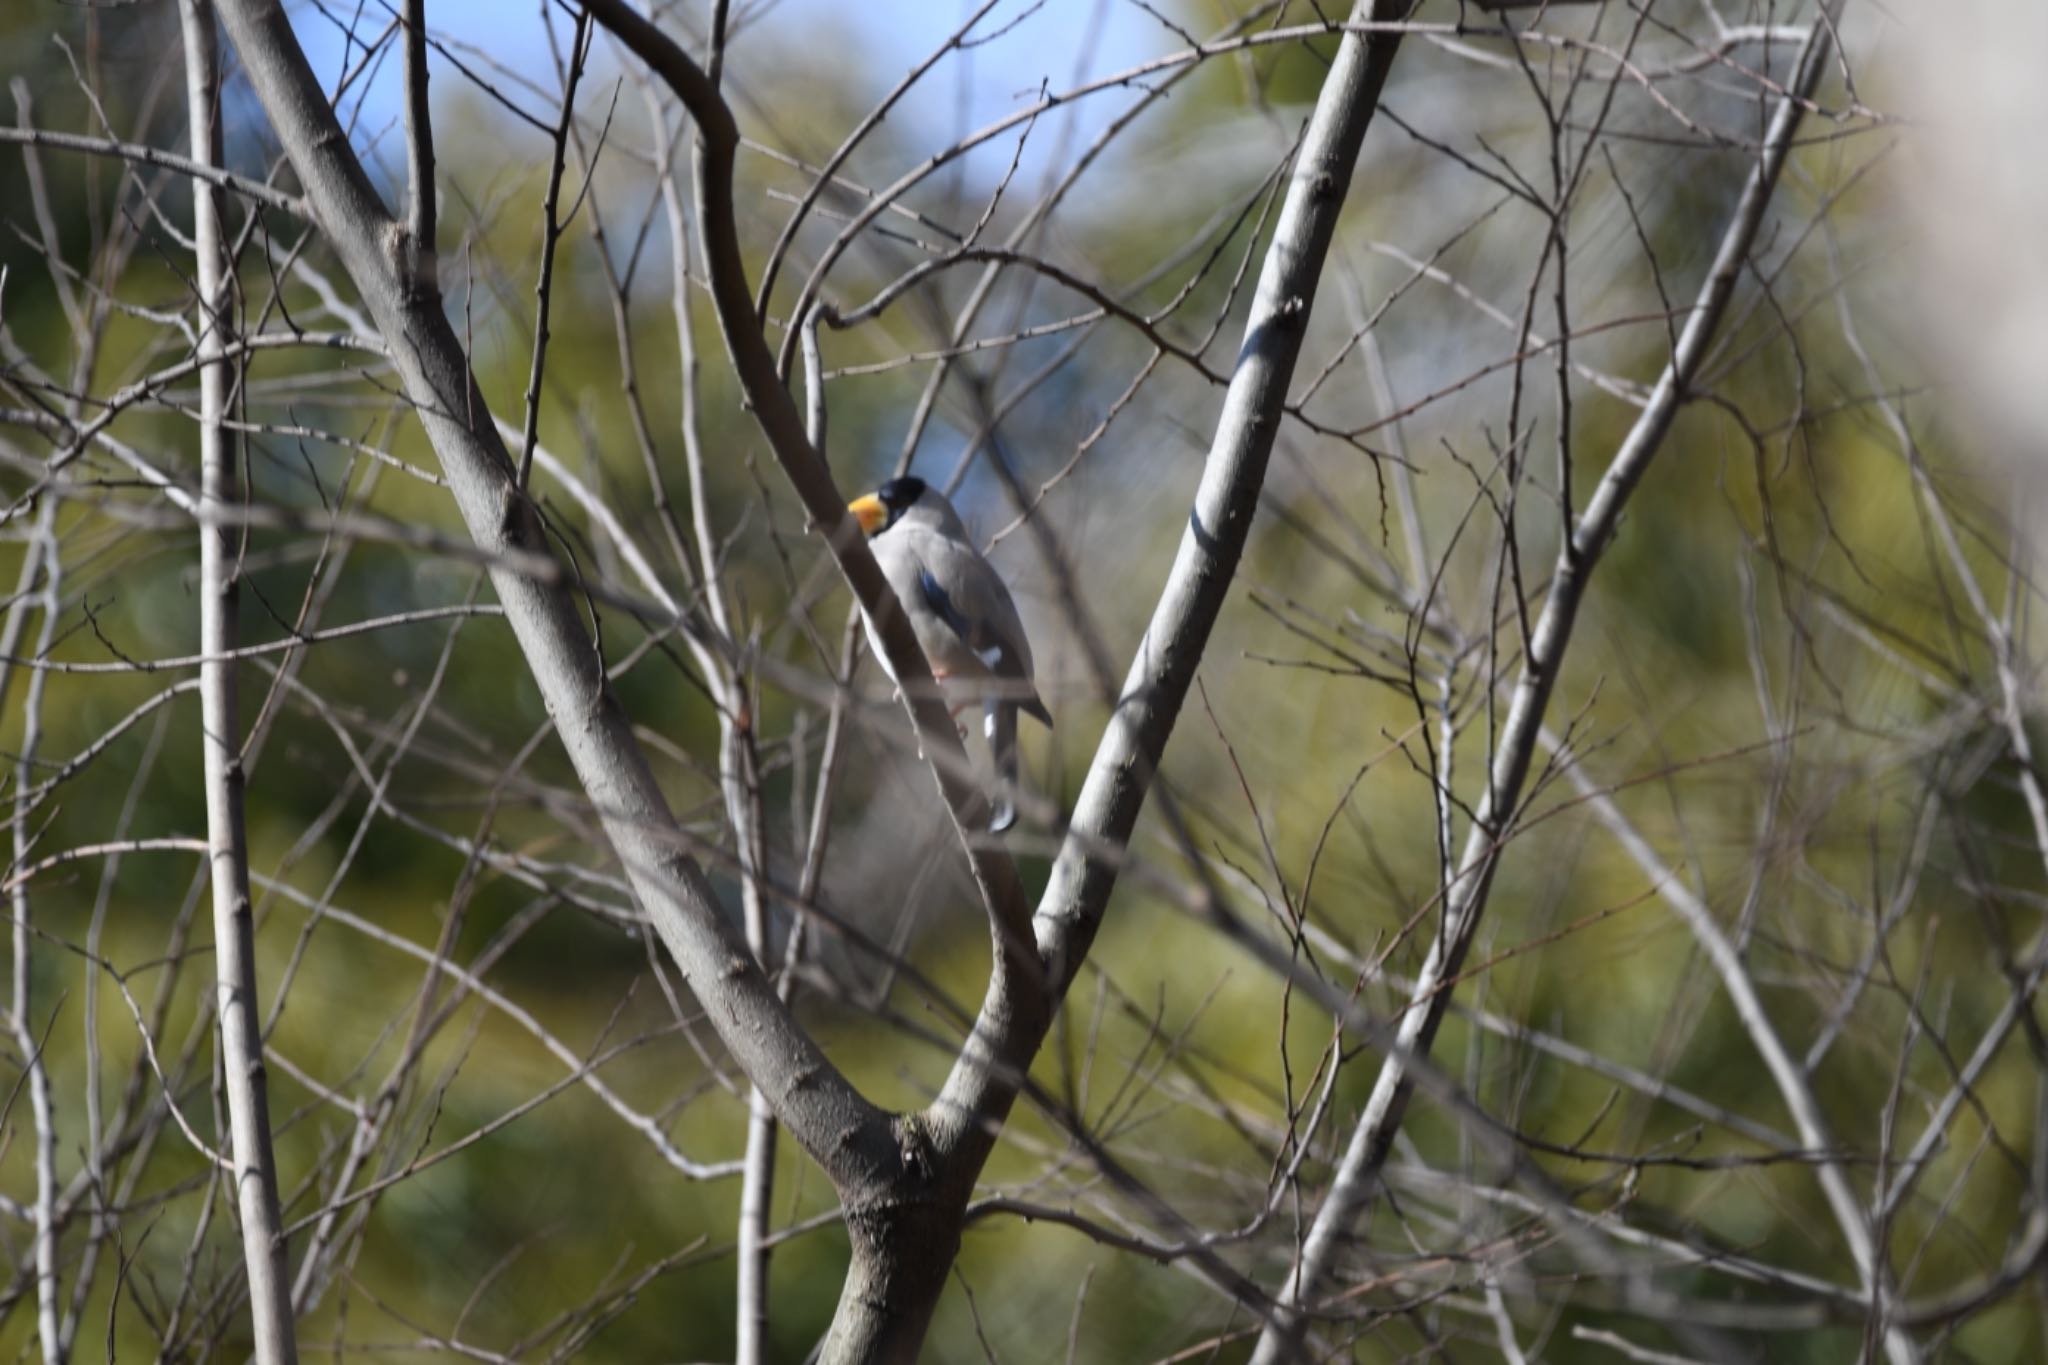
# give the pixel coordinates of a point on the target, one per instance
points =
(776, 412)
(144, 155)
(419, 133)
(840, 1129)
(1372, 1140)
(234, 931)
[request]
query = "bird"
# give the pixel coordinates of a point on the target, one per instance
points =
(962, 614)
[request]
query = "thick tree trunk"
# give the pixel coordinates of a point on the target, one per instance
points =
(903, 1253)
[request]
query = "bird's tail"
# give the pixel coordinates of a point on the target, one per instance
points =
(999, 723)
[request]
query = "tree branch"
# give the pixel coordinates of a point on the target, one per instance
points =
(419, 129)
(883, 1310)
(39, 560)
(234, 929)
(805, 467)
(144, 155)
(1358, 1172)
(846, 1134)
(971, 1108)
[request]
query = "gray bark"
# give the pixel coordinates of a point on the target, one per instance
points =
(1358, 1173)
(904, 1181)
(40, 560)
(393, 274)
(234, 932)
(904, 1242)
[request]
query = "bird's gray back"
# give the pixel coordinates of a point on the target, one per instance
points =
(977, 593)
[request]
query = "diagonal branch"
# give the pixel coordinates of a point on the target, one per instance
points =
(1786, 1073)
(142, 154)
(393, 272)
(983, 1085)
(1163, 669)
(1366, 1153)
(804, 465)
(887, 1299)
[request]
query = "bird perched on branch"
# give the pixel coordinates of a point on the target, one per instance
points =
(962, 615)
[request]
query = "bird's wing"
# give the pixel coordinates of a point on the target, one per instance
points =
(964, 590)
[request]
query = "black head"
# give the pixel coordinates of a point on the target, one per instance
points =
(878, 511)
(899, 494)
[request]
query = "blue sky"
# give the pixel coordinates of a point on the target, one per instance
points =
(1057, 41)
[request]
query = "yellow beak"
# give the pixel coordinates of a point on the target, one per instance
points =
(869, 512)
